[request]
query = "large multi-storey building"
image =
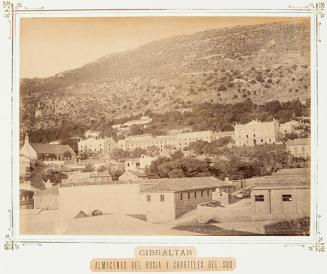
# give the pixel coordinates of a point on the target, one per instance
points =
(164, 142)
(96, 145)
(177, 141)
(257, 133)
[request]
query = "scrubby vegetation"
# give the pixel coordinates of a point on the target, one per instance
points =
(223, 66)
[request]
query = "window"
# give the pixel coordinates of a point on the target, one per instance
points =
(286, 197)
(208, 192)
(259, 198)
(194, 194)
(181, 195)
(201, 193)
(162, 198)
(188, 195)
(247, 136)
(148, 198)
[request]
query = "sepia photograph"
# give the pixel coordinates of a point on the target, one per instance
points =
(165, 125)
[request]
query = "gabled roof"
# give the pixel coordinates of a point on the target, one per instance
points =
(51, 148)
(300, 141)
(184, 184)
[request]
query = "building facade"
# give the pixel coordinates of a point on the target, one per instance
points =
(177, 141)
(257, 133)
(145, 161)
(96, 145)
(279, 200)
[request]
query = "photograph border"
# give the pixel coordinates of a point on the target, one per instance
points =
(315, 242)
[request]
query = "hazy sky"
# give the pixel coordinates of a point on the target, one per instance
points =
(52, 45)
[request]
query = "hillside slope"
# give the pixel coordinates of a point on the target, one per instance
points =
(261, 62)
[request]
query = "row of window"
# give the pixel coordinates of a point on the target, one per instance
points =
(261, 198)
(195, 194)
(162, 196)
(165, 142)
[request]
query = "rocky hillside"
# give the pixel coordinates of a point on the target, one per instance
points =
(261, 62)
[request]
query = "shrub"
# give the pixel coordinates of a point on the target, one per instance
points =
(222, 88)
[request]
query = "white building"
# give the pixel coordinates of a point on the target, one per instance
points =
(132, 164)
(96, 144)
(145, 161)
(257, 133)
(178, 141)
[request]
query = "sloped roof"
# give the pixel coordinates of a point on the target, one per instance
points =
(184, 184)
(280, 187)
(300, 141)
(51, 148)
(285, 180)
(136, 173)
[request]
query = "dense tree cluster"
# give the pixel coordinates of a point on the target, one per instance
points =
(222, 117)
(236, 163)
(208, 148)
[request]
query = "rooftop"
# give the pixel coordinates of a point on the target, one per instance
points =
(52, 148)
(183, 184)
(280, 186)
(287, 181)
(136, 173)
